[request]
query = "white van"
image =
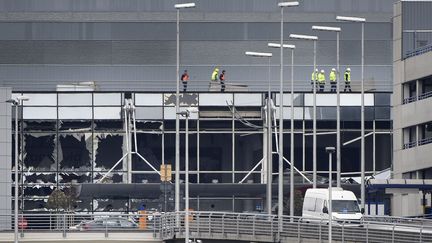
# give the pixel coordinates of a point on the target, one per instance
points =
(345, 205)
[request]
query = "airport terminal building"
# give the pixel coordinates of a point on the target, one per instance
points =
(82, 63)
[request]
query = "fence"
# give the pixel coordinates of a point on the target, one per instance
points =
(228, 226)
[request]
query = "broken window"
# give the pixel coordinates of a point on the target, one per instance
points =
(39, 152)
(73, 177)
(39, 178)
(108, 151)
(74, 151)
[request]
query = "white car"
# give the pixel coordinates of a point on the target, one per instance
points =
(344, 203)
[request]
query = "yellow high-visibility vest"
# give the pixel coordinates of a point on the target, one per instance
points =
(332, 76)
(321, 78)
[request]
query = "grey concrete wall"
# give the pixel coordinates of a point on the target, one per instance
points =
(5, 158)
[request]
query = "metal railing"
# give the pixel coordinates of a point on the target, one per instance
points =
(418, 51)
(425, 141)
(425, 95)
(410, 145)
(409, 100)
(235, 226)
(226, 226)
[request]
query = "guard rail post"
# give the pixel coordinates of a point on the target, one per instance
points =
(319, 231)
(198, 225)
(253, 226)
(209, 224)
(223, 225)
(393, 232)
(367, 232)
(421, 231)
(238, 229)
(343, 229)
(154, 225)
(64, 226)
(298, 231)
(106, 229)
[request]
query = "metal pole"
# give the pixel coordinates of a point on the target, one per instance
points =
(362, 156)
(280, 182)
(16, 240)
(187, 179)
(292, 139)
(314, 123)
(269, 147)
(338, 147)
(330, 209)
(177, 136)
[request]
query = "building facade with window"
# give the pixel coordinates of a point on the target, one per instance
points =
(126, 49)
(412, 100)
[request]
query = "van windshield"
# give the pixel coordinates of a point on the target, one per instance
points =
(345, 206)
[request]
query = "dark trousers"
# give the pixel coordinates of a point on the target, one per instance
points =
(184, 86)
(316, 86)
(347, 86)
(333, 87)
(222, 83)
(321, 88)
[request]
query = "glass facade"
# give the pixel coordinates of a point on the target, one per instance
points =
(60, 150)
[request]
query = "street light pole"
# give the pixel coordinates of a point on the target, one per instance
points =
(314, 39)
(187, 179)
(186, 114)
(280, 170)
(280, 182)
(362, 148)
(16, 240)
(269, 135)
(330, 151)
(338, 152)
(177, 136)
(16, 103)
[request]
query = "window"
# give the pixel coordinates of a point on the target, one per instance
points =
(319, 205)
(409, 137)
(425, 133)
(345, 206)
(426, 88)
(309, 204)
(409, 92)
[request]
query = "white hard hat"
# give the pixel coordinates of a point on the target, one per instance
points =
(348, 69)
(316, 70)
(333, 69)
(322, 70)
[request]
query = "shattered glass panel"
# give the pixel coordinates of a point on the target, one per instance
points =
(111, 178)
(40, 152)
(73, 177)
(39, 178)
(74, 151)
(108, 150)
(187, 99)
(108, 125)
(150, 125)
(38, 190)
(75, 126)
(40, 126)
